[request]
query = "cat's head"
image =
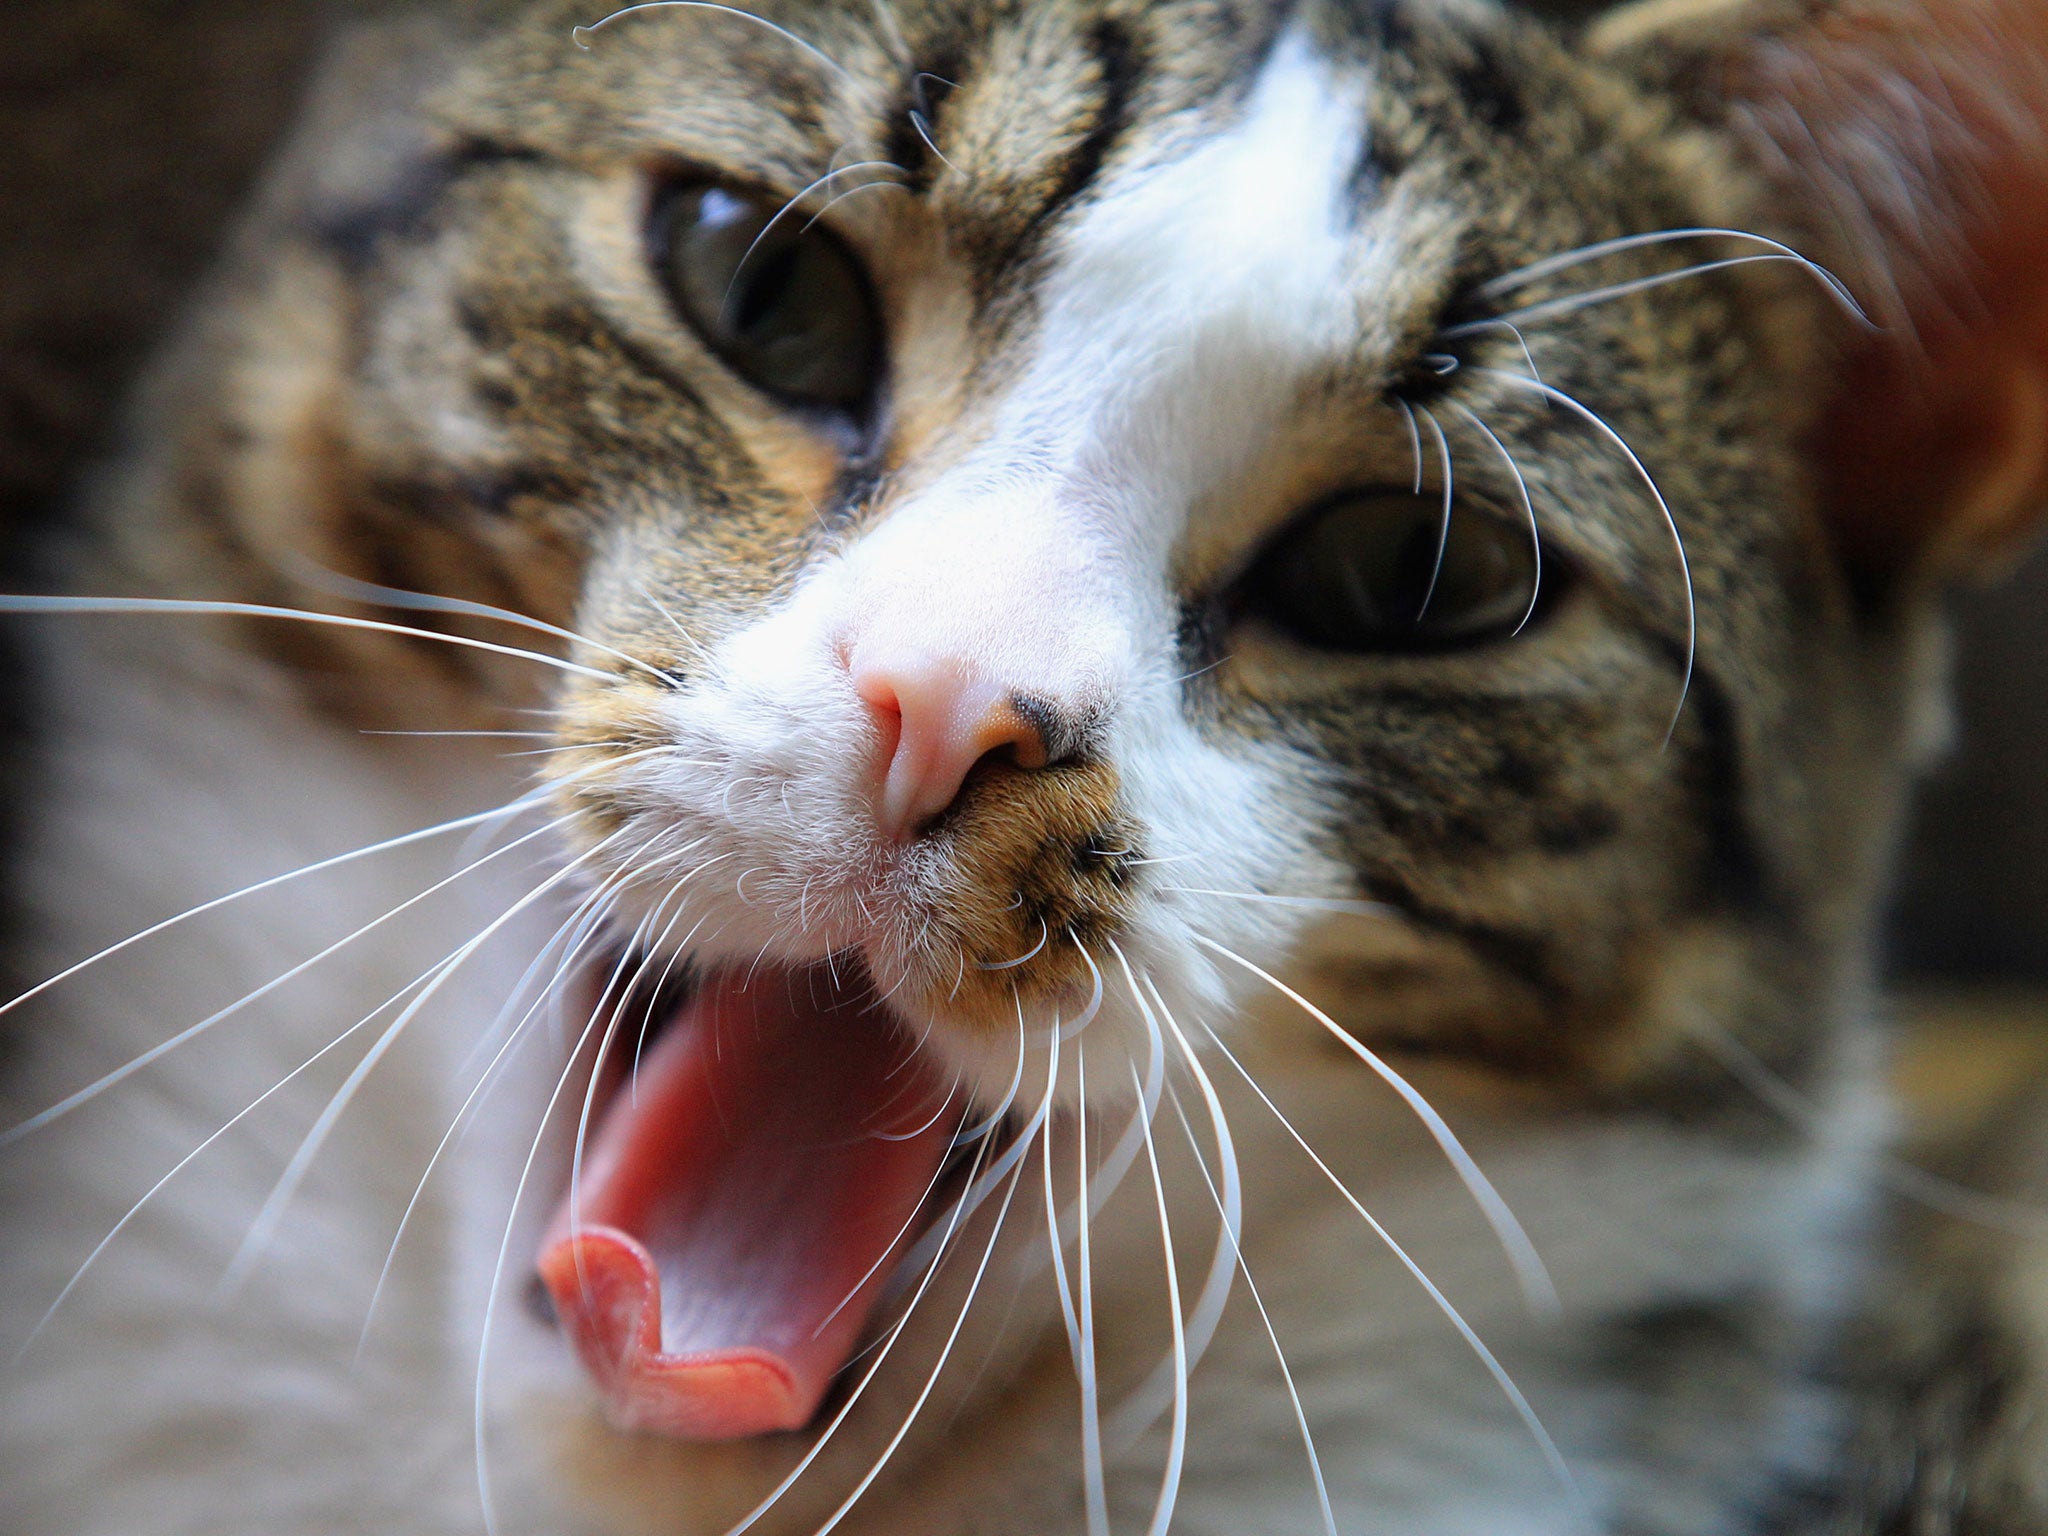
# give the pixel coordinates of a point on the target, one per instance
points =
(1072, 505)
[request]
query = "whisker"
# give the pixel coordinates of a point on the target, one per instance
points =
(922, 126)
(1585, 413)
(732, 287)
(16, 603)
(677, 625)
(1054, 1239)
(78, 1275)
(932, 1380)
(524, 802)
(584, 918)
(1528, 506)
(1109, 1175)
(1536, 270)
(1176, 1453)
(502, 735)
(1524, 1410)
(938, 1175)
(1521, 1252)
(1572, 303)
(309, 1148)
(631, 954)
(1308, 1439)
(1414, 439)
(1093, 1007)
(839, 197)
(956, 1218)
(580, 36)
(1095, 1491)
(1044, 938)
(483, 1478)
(163, 1048)
(977, 1192)
(1142, 1408)
(1443, 532)
(335, 584)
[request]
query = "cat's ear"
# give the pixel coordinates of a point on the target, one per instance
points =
(1906, 144)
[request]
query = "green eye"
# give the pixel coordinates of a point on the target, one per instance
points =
(787, 306)
(1377, 571)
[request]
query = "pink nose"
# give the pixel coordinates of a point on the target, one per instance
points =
(938, 718)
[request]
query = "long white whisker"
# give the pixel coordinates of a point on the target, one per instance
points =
(839, 197)
(725, 304)
(1137, 1413)
(1443, 532)
(1208, 1313)
(931, 1185)
(710, 662)
(309, 1148)
(959, 1215)
(932, 1380)
(1308, 1439)
(1414, 439)
(1523, 276)
(483, 1351)
(163, 1048)
(1586, 414)
(1528, 507)
(581, 35)
(1096, 1494)
(1572, 303)
(16, 603)
(1528, 1264)
(1109, 1175)
(78, 1275)
(524, 802)
(631, 954)
(335, 584)
(1054, 1240)
(577, 928)
(1520, 1403)
(1177, 1445)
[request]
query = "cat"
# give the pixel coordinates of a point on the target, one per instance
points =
(945, 766)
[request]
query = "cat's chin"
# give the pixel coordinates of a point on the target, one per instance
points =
(761, 1161)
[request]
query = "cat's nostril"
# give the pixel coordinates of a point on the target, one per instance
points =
(937, 720)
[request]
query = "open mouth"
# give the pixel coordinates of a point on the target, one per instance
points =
(731, 1228)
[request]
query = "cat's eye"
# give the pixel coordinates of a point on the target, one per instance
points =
(1384, 570)
(776, 295)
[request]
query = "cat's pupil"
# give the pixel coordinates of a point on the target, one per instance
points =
(762, 292)
(1384, 571)
(781, 299)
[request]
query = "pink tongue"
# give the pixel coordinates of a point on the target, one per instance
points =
(728, 1237)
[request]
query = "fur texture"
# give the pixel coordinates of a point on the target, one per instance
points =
(1158, 283)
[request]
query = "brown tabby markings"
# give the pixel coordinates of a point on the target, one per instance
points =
(458, 379)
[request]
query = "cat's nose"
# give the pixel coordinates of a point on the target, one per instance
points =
(938, 717)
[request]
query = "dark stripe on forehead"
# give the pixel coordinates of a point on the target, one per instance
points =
(1119, 60)
(1006, 232)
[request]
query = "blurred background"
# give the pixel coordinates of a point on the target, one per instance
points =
(132, 128)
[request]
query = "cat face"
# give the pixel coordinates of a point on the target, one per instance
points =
(1066, 507)
(1088, 600)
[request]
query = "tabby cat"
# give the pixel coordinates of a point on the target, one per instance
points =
(1022, 766)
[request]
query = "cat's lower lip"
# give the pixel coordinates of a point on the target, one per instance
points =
(730, 1229)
